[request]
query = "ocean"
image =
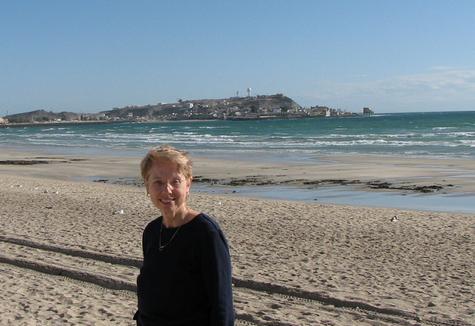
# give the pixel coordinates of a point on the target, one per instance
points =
(441, 134)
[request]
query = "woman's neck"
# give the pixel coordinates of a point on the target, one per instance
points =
(179, 218)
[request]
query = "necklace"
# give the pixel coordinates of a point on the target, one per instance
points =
(160, 246)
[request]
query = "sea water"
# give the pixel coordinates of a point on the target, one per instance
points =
(443, 134)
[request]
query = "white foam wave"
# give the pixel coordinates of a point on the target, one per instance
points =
(443, 128)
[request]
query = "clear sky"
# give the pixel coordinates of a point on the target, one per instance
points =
(88, 56)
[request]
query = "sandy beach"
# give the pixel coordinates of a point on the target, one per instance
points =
(71, 247)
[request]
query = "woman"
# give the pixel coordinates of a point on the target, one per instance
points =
(185, 278)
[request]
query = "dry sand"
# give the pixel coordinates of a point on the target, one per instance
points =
(293, 263)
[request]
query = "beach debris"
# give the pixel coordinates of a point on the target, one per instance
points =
(22, 162)
(394, 218)
(118, 212)
(47, 191)
(219, 203)
(19, 186)
(49, 207)
(416, 188)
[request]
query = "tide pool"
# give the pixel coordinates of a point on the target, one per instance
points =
(460, 203)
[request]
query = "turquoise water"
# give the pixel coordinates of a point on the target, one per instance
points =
(446, 134)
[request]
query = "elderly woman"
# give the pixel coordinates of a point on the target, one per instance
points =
(185, 278)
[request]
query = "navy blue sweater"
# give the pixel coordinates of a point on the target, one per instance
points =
(189, 281)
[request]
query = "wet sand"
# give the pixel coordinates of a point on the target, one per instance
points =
(366, 172)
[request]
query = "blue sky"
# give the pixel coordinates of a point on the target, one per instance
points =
(88, 56)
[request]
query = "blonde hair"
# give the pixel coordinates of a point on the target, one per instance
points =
(170, 153)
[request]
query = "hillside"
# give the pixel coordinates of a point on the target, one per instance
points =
(42, 116)
(229, 108)
(276, 106)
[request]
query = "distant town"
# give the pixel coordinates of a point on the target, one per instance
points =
(248, 107)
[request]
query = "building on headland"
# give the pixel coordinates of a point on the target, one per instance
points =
(93, 117)
(319, 111)
(324, 111)
(3, 121)
(367, 111)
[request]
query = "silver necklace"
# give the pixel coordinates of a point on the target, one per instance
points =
(160, 247)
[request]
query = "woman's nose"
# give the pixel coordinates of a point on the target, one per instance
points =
(168, 187)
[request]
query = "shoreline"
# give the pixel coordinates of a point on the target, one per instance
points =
(364, 180)
(244, 118)
(334, 192)
(55, 123)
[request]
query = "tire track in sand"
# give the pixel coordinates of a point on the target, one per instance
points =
(271, 289)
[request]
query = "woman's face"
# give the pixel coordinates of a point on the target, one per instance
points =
(167, 187)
